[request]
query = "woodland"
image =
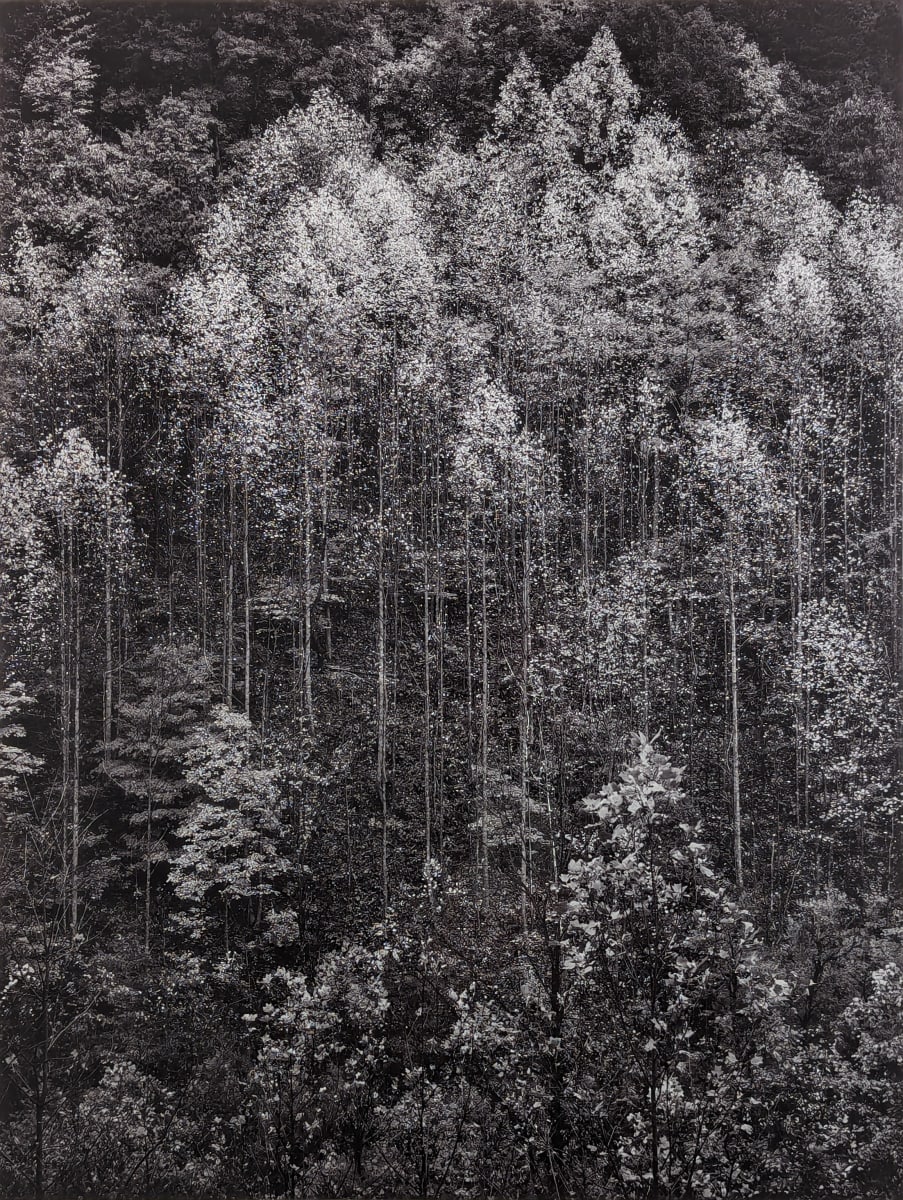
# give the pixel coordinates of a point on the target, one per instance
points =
(451, 600)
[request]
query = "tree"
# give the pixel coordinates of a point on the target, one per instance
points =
(735, 470)
(231, 859)
(838, 1099)
(155, 728)
(648, 240)
(850, 716)
(320, 1056)
(63, 166)
(495, 463)
(15, 760)
(86, 519)
(27, 583)
(597, 102)
(166, 169)
(48, 1005)
(676, 984)
(401, 404)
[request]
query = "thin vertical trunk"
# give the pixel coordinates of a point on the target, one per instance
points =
(484, 718)
(468, 639)
(392, 695)
(65, 635)
(797, 617)
(41, 1082)
(526, 714)
(76, 744)
(587, 566)
(39, 1145)
(468, 642)
(200, 533)
(308, 592)
(147, 862)
(382, 692)
(427, 683)
(525, 731)
(801, 706)
(691, 639)
(246, 568)
(170, 574)
(327, 606)
(108, 607)
(735, 726)
(846, 526)
(228, 599)
(584, 522)
(897, 503)
(439, 740)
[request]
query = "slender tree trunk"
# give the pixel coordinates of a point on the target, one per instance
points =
(382, 691)
(229, 599)
(525, 832)
(439, 739)
(76, 747)
(427, 682)
(796, 591)
(148, 857)
(246, 568)
(170, 573)
(897, 608)
(65, 636)
(200, 546)
(586, 549)
(468, 639)
(484, 716)
(557, 1131)
(41, 1082)
(108, 610)
(39, 1148)
(308, 590)
(735, 727)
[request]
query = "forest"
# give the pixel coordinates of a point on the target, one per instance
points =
(451, 599)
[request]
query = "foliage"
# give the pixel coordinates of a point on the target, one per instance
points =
(401, 405)
(679, 988)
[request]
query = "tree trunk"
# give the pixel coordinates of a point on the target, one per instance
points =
(65, 639)
(308, 588)
(525, 731)
(200, 559)
(228, 598)
(381, 685)
(427, 683)
(76, 751)
(484, 717)
(735, 729)
(246, 568)
(108, 617)
(147, 860)
(41, 1081)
